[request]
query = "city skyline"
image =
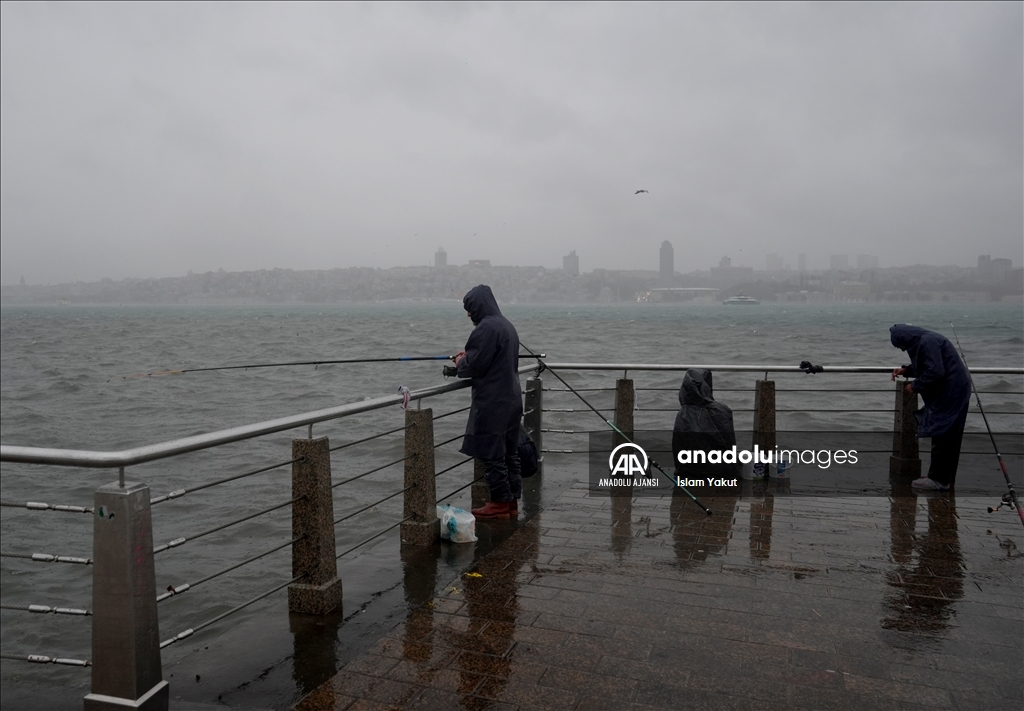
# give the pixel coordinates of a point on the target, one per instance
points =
(149, 139)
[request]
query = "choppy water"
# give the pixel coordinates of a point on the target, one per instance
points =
(63, 385)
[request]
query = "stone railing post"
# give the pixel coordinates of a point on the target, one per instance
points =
(420, 501)
(764, 414)
(313, 519)
(625, 401)
(905, 460)
(532, 416)
(126, 670)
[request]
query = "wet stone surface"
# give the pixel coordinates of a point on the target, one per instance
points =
(772, 603)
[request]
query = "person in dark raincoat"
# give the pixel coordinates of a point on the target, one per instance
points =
(491, 359)
(702, 424)
(942, 380)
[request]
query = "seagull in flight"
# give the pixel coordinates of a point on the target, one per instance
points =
(639, 191)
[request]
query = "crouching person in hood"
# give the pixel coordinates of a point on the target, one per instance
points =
(942, 380)
(491, 359)
(702, 425)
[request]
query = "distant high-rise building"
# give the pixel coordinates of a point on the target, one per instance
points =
(802, 260)
(773, 263)
(440, 257)
(840, 261)
(993, 271)
(571, 264)
(668, 270)
(867, 261)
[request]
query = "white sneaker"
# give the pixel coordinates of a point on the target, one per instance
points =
(926, 484)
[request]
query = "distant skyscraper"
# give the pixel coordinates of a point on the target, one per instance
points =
(571, 264)
(668, 270)
(840, 261)
(803, 262)
(867, 261)
(440, 257)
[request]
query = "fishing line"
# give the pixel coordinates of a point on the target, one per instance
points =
(1010, 498)
(657, 466)
(295, 363)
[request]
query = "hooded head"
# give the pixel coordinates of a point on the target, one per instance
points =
(479, 303)
(905, 337)
(696, 388)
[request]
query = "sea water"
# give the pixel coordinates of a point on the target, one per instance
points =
(68, 380)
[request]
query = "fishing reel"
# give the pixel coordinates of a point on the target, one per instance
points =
(449, 371)
(1006, 501)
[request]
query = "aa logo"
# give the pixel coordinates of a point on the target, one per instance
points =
(628, 460)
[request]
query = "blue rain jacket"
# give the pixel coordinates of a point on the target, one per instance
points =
(492, 361)
(940, 377)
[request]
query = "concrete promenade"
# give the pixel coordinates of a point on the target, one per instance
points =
(774, 602)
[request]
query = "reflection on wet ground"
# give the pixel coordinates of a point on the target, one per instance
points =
(772, 602)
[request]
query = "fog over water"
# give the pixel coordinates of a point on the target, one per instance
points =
(148, 140)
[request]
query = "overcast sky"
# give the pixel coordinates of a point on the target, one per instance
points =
(147, 140)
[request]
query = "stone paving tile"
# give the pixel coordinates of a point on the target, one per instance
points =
(853, 605)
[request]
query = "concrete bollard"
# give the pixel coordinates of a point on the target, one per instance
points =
(532, 420)
(905, 460)
(420, 501)
(313, 519)
(625, 401)
(126, 670)
(764, 414)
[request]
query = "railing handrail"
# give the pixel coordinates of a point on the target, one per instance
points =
(163, 450)
(768, 368)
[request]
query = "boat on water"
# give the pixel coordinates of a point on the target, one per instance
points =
(741, 299)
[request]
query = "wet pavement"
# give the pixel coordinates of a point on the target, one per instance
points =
(774, 602)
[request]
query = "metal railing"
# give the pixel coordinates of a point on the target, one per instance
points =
(313, 585)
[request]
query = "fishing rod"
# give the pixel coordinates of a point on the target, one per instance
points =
(626, 437)
(1010, 497)
(297, 362)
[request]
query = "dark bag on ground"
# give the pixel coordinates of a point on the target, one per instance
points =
(529, 461)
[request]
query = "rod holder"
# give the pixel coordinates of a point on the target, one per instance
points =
(320, 591)
(126, 671)
(420, 499)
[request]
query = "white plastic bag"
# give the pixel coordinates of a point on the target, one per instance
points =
(457, 525)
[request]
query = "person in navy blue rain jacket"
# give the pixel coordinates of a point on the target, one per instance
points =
(942, 381)
(491, 359)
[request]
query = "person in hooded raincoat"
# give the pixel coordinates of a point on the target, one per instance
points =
(942, 380)
(702, 424)
(491, 359)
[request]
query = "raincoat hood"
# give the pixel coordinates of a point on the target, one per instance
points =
(906, 337)
(480, 303)
(696, 389)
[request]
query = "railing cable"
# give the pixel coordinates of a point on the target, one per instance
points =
(182, 492)
(360, 476)
(376, 535)
(371, 437)
(173, 590)
(449, 441)
(370, 506)
(192, 630)
(453, 493)
(42, 659)
(39, 506)
(448, 469)
(185, 539)
(44, 609)
(47, 558)
(453, 412)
